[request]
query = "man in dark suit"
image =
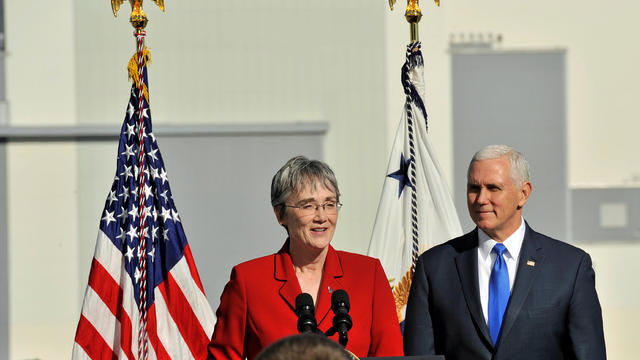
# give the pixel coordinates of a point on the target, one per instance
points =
(503, 291)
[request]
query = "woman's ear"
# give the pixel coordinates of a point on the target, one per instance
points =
(276, 211)
(281, 220)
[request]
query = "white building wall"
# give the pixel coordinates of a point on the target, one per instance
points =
(602, 83)
(41, 180)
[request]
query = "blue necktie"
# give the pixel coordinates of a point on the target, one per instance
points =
(498, 292)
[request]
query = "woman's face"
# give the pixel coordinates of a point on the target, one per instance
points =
(310, 230)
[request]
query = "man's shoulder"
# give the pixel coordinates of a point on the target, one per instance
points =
(555, 246)
(454, 246)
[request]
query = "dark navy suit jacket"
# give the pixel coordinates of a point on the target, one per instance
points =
(553, 311)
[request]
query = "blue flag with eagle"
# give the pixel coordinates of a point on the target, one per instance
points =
(415, 211)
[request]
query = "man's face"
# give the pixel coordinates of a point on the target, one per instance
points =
(494, 202)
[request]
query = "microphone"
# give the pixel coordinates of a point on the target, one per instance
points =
(306, 314)
(341, 320)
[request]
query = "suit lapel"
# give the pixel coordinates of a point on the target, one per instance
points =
(467, 266)
(330, 282)
(285, 273)
(290, 288)
(530, 260)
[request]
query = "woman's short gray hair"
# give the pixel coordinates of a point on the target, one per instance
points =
(297, 173)
(519, 165)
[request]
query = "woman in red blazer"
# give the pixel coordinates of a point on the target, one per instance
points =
(257, 306)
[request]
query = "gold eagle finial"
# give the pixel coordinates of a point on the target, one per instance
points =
(135, 5)
(410, 3)
(138, 18)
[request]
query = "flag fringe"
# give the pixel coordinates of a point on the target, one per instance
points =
(401, 292)
(415, 60)
(132, 68)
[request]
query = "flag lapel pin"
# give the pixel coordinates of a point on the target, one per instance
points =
(531, 263)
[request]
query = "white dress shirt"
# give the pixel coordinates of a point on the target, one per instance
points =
(486, 259)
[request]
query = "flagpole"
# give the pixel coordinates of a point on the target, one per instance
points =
(413, 14)
(129, 259)
(415, 210)
(139, 21)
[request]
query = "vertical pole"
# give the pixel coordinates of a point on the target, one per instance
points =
(4, 257)
(3, 106)
(413, 14)
(1, 25)
(413, 29)
(142, 251)
(4, 233)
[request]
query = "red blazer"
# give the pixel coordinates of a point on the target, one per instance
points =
(257, 306)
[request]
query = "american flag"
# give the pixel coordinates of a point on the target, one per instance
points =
(141, 232)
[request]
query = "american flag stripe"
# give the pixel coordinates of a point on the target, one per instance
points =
(79, 353)
(104, 286)
(102, 281)
(103, 307)
(160, 352)
(92, 342)
(168, 332)
(151, 353)
(103, 302)
(126, 336)
(193, 271)
(196, 299)
(179, 308)
(128, 313)
(108, 255)
(99, 316)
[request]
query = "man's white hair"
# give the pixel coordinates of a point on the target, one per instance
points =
(519, 165)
